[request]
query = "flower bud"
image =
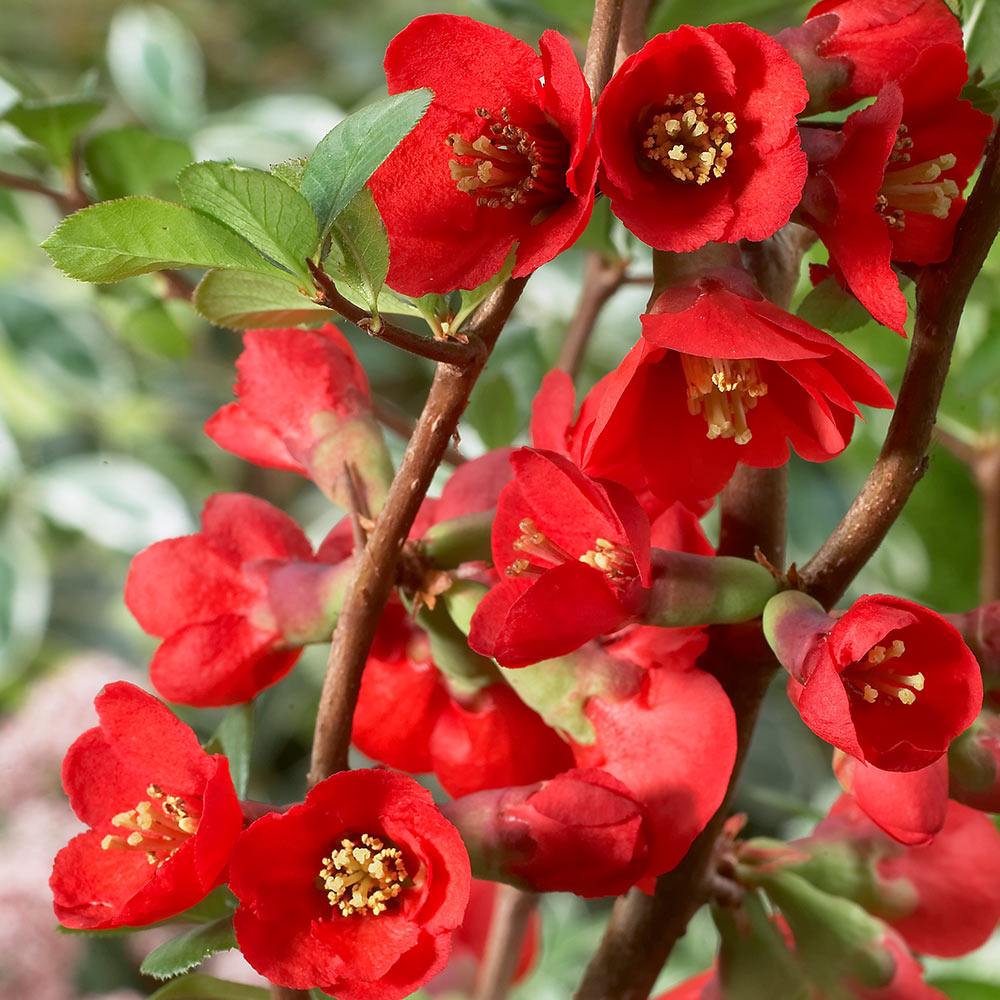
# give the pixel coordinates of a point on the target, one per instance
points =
(580, 832)
(974, 765)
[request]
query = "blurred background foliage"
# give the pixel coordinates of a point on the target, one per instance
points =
(103, 392)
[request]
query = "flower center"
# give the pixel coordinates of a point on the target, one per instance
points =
(917, 188)
(158, 826)
(875, 675)
(363, 878)
(541, 553)
(509, 165)
(689, 140)
(723, 391)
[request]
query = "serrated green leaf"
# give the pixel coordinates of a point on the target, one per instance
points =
(189, 949)
(351, 152)
(359, 249)
(291, 171)
(132, 160)
(472, 297)
(961, 988)
(242, 300)
(262, 208)
(830, 308)
(54, 123)
(234, 738)
(199, 987)
(118, 239)
(494, 411)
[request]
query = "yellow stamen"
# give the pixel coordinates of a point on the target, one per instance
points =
(915, 188)
(363, 878)
(158, 827)
(688, 140)
(878, 679)
(723, 390)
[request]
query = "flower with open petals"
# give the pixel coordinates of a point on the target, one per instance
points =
(502, 156)
(163, 817)
(355, 891)
(888, 186)
(698, 140)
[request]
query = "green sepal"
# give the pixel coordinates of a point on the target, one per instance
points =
(460, 540)
(465, 671)
(690, 590)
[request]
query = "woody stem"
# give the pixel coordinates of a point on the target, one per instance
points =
(512, 912)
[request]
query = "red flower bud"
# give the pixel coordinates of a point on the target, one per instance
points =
(980, 628)
(583, 831)
(502, 156)
(234, 603)
(304, 405)
(974, 764)
(888, 185)
(355, 891)
(889, 682)
(697, 137)
(163, 817)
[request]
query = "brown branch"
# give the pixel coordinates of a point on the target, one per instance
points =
(644, 929)
(633, 32)
(941, 294)
(601, 279)
(602, 44)
(448, 352)
(398, 420)
(376, 570)
(284, 993)
(512, 911)
(964, 451)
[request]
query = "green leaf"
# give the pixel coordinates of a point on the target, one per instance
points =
(359, 249)
(959, 988)
(157, 67)
(132, 160)
(234, 738)
(291, 171)
(982, 39)
(494, 411)
(189, 949)
(830, 308)
(199, 987)
(260, 207)
(241, 300)
(472, 297)
(351, 152)
(25, 595)
(54, 123)
(118, 239)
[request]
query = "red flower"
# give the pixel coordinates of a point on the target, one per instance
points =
(889, 682)
(304, 406)
(943, 898)
(502, 155)
(697, 137)
(910, 806)
(234, 603)
(867, 43)
(472, 740)
(980, 628)
(355, 891)
(888, 186)
(654, 741)
(735, 379)
(583, 832)
(163, 817)
(470, 940)
(577, 557)
(974, 764)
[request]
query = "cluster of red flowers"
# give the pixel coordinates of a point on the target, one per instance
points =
(543, 654)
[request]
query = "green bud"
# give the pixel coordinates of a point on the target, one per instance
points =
(465, 671)
(706, 590)
(359, 443)
(792, 623)
(460, 540)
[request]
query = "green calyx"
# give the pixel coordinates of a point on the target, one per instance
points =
(460, 540)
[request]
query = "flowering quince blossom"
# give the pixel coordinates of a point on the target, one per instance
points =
(469, 944)
(355, 891)
(304, 406)
(487, 738)
(910, 806)
(735, 378)
(888, 682)
(887, 186)
(503, 155)
(583, 831)
(849, 49)
(943, 898)
(163, 817)
(698, 140)
(233, 603)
